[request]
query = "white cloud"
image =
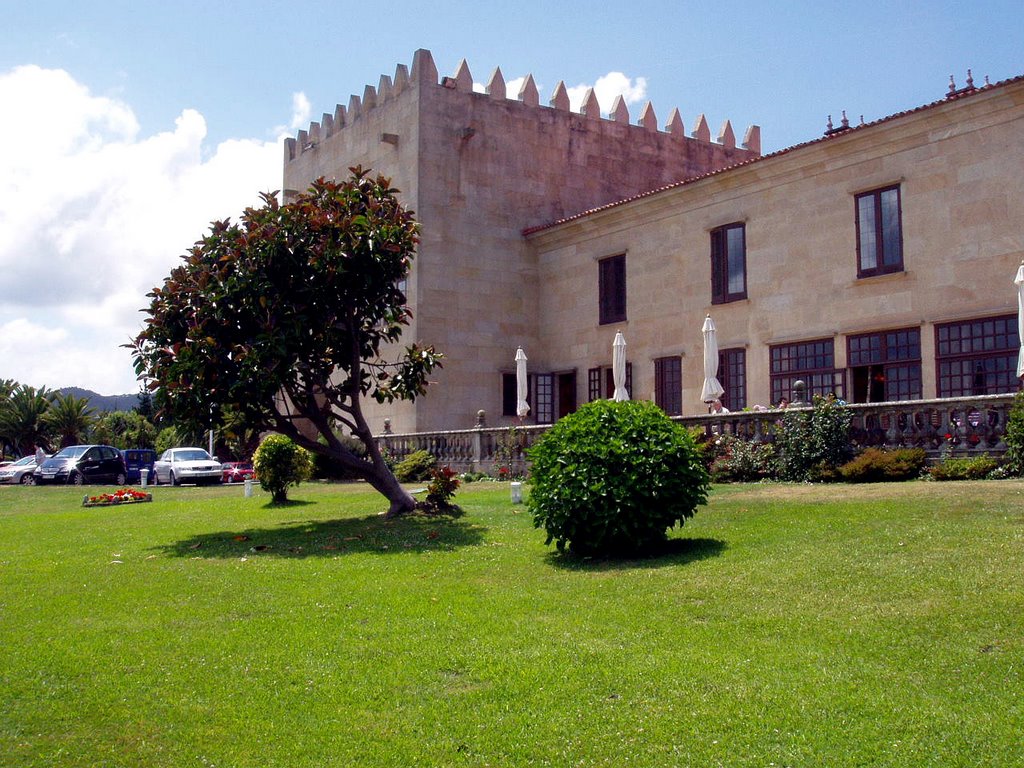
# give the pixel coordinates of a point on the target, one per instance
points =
(607, 87)
(301, 111)
(93, 215)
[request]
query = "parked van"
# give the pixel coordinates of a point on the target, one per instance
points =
(137, 461)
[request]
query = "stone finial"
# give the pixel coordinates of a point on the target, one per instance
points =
(726, 137)
(590, 107)
(424, 71)
(339, 116)
(970, 79)
(528, 93)
(620, 113)
(560, 98)
(647, 118)
(675, 123)
(463, 78)
(701, 132)
(952, 86)
(355, 108)
(752, 139)
(496, 85)
(401, 79)
(369, 98)
(845, 122)
(384, 89)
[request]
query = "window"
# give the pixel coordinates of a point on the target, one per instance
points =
(732, 375)
(885, 366)
(611, 288)
(545, 387)
(668, 385)
(810, 361)
(879, 232)
(977, 357)
(601, 383)
(728, 264)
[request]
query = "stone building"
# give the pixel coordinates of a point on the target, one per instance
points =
(875, 262)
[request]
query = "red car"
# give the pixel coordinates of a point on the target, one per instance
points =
(236, 471)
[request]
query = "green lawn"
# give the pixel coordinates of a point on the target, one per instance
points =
(787, 626)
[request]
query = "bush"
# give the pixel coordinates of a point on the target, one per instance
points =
(976, 468)
(740, 461)
(1014, 437)
(329, 468)
(612, 478)
(415, 467)
(280, 463)
(441, 491)
(813, 444)
(875, 465)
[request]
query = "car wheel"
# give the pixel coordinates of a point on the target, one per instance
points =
(173, 480)
(120, 479)
(28, 479)
(77, 478)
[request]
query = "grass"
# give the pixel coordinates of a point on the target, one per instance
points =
(786, 625)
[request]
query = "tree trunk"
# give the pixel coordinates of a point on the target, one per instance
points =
(401, 500)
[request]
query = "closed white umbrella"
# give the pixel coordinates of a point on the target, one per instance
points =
(522, 407)
(712, 389)
(1019, 280)
(619, 368)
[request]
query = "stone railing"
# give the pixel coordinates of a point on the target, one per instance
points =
(947, 426)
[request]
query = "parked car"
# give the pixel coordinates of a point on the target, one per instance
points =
(137, 461)
(19, 471)
(80, 464)
(236, 471)
(187, 465)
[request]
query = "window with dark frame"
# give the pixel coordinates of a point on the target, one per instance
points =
(977, 357)
(668, 384)
(601, 382)
(810, 361)
(879, 232)
(544, 386)
(728, 263)
(611, 289)
(732, 375)
(885, 366)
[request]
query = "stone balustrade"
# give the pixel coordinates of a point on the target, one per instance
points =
(960, 426)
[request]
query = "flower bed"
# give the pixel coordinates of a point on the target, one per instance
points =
(122, 496)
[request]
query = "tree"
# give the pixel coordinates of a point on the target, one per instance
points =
(125, 429)
(21, 420)
(286, 317)
(70, 418)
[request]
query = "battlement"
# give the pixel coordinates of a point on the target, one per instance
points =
(423, 74)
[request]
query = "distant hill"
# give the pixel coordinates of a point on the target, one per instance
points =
(103, 402)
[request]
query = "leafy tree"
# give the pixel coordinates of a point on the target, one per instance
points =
(168, 437)
(70, 418)
(280, 463)
(125, 429)
(812, 444)
(285, 317)
(22, 422)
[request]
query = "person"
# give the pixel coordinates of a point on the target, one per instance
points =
(784, 403)
(717, 407)
(40, 455)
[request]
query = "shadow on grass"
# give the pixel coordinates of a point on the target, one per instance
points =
(671, 552)
(330, 538)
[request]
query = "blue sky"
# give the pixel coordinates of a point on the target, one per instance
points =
(127, 126)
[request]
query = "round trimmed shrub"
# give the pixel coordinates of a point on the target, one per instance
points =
(417, 466)
(612, 478)
(280, 463)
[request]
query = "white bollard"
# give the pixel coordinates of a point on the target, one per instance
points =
(144, 477)
(248, 487)
(517, 493)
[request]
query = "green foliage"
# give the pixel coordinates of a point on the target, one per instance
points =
(441, 490)
(299, 300)
(23, 423)
(813, 444)
(742, 461)
(875, 465)
(975, 468)
(1014, 436)
(328, 467)
(415, 467)
(612, 478)
(280, 463)
(509, 454)
(126, 429)
(70, 418)
(168, 437)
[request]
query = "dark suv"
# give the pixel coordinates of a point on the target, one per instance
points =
(137, 461)
(80, 464)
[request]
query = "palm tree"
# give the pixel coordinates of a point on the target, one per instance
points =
(21, 419)
(70, 418)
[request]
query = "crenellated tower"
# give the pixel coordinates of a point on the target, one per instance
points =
(478, 169)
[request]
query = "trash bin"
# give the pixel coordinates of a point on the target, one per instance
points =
(248, 487)
(517, 492)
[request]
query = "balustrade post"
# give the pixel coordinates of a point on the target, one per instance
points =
(478, 439)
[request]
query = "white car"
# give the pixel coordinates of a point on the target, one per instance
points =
(19, 471)
(187, 465)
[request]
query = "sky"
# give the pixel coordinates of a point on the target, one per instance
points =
(127, 126)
